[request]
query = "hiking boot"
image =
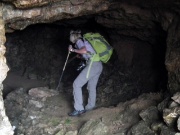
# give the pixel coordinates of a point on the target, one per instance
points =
(76, 113)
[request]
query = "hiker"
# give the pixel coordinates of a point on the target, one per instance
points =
(90, 74)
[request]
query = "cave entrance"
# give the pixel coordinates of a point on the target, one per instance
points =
(36, 58)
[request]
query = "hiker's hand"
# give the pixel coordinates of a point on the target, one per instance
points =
(71, 48)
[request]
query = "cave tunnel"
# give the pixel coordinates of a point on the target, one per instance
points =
(36, 57)
(134, 90)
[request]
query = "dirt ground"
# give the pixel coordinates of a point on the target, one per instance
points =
(16, 80)
(63, 103)
(53, 117)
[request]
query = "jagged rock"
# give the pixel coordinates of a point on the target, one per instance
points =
(178, 124)
(42, 92)
(142, 129)
(37, 104)
(173, 104)
(156, 126)
(57, 11)
(176, 97)
(129, 115)
(150, 115)
(108, 88)
(16, 101)
(95, 127)
(170, 116)
(61, 132)
(125, 120)
(163, 104)
(166, 131)
(72, 133)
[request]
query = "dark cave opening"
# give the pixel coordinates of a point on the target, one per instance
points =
(159, 50)
(36, 58)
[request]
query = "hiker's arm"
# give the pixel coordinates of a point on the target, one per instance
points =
(82, 50)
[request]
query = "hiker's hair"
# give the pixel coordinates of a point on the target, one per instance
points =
(75, 35)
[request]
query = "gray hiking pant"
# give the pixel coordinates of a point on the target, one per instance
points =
(81, 80)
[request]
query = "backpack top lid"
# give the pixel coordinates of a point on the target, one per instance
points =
(100, 45)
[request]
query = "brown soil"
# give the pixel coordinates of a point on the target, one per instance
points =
(15, 80)
(54, 114)
(63, 103)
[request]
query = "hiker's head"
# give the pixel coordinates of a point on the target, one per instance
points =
(75, 35)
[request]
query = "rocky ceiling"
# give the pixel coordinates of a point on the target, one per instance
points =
(136, 14)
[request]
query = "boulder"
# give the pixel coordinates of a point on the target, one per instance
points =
(94, 127)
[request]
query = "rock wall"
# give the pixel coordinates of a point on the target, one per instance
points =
(5, 126)
(173, 55)
(127, 16)
(40, 55)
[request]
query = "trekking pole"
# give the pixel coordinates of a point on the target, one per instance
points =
(63, 70)
(71, 59)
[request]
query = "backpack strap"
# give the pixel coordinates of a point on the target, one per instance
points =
(94, 58)
(89, 68)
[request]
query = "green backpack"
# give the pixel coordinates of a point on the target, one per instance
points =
(100, 45)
